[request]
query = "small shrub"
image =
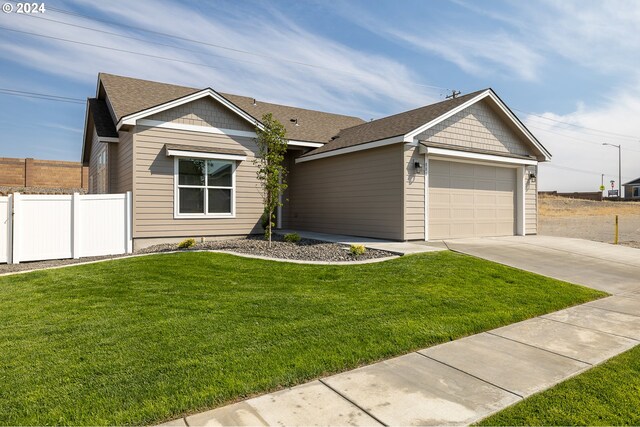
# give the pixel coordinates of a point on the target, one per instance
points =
(187, 243)
(357, 250)
(292, 237)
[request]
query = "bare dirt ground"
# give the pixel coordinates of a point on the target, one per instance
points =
(588, 219)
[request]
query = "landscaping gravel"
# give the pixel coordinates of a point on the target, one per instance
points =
(305, 250)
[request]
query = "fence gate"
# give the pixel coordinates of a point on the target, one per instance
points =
(5, 229)
(64, 226)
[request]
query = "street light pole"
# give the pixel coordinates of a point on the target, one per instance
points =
(619, 147)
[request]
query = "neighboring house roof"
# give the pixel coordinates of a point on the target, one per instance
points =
(634, 182)
(102, 118)
(129, 96)
(391, 126)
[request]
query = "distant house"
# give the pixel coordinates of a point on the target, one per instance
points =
(632, 189)
(463, 167)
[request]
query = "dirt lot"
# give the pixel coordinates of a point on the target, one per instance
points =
(587, 219)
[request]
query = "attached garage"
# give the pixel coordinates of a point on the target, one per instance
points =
(471, 200)
(469, 169)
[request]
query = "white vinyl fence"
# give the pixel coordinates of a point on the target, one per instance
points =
(5, 228)
(46, 227)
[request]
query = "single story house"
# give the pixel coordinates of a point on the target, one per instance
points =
(463, 167)
(632, 189)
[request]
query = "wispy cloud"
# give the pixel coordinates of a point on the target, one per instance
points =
(575, 140)
(344, 79)
(477, 54)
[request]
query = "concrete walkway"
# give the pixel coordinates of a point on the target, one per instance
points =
(602, 266)
(399, 248)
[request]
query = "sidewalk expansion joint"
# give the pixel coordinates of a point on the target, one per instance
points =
(612, 311)
(353, 403)
(538, 348)
(592, 329)
(471, 375)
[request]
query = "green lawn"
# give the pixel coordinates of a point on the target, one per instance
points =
(146, 339)
(606, 395)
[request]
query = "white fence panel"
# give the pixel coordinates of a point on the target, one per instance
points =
(43, 227)
(5, 228)
(102, 225)
(64, 226)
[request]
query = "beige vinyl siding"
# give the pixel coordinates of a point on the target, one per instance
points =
(479, 127)
(357, 194)
(204, 112)
(414, 194)
(153, 186)
(97, 173)
(121, 164)
(531, 204)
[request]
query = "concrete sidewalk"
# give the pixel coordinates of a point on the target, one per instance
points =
(456, 383)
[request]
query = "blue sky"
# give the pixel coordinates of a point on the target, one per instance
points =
(570, 69)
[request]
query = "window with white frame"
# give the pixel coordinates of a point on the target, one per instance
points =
(636, 192)
(205, 187)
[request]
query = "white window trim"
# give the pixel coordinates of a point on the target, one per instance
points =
(176, 192)
(202, 155)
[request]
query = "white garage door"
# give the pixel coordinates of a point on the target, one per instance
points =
(469, 200)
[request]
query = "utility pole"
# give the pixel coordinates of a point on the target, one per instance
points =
(619, 147)
(454, 94)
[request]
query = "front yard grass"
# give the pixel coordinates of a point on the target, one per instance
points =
(147, 339)
(607, 395)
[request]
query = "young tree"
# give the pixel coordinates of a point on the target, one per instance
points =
(272, 145)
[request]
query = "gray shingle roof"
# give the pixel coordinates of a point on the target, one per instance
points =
(634, 182)
(390, 126)
(128, 96)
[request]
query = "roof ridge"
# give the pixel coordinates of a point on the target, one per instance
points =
(226, 93)
(291, 106)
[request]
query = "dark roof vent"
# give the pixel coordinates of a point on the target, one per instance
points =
(294, 121)
(254, 101)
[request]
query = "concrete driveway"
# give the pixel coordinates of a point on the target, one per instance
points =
(610, 268)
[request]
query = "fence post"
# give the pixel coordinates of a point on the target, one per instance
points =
(9, 229)
(128, 222)
(75, 225)
(15, 222)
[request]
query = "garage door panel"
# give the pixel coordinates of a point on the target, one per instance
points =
(439, 168)
(439, 182)
(462, 214)
(460, 170)
(468, 200)
(461, 183)
(505, 174)
(482, 171)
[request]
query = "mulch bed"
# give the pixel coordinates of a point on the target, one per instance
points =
(304, 250)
